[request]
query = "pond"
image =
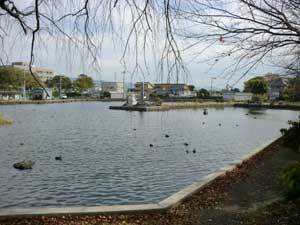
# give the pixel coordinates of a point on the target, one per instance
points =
(106, 154)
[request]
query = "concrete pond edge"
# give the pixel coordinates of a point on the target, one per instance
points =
(161, 206)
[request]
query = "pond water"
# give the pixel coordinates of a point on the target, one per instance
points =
(106, 157)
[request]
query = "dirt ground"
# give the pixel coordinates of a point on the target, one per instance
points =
(250, 194)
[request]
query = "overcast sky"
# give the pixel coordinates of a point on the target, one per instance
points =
(72, 62)
(59, 55)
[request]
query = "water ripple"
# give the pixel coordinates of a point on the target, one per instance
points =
(105, 161)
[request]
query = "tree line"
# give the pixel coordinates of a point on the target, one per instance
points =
(259, 87)
(13, 79)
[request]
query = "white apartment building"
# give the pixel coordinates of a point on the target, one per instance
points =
(43, 73)
(116, 89)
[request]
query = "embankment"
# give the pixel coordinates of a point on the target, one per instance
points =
(174, 105)
(13, 102)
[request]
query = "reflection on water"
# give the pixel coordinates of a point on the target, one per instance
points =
(257, 111)
(106, 155)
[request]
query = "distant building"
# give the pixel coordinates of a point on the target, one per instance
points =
(148, 87)
(94, 92)
(43, 74)
(270, 76)
(97, 86)
(11, 95)
(276, 88)
(116, 89)
(216, 94)
(276, 85)
(180, 90)
(112, 86)
(237, 96)
(163, 89)
(148, 90)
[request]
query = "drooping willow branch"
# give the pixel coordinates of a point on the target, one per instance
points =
(247, 30)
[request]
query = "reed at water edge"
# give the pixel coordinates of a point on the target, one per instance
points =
(5, 120)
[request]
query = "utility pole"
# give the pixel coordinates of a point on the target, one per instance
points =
(177, 88)
(161, 73)
(59, 91)
(298, 64)
(211, 84)
(142, 92)
(24, 86)
(123, 72)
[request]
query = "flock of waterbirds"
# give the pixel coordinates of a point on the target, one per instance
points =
(205, 112)
(185, 144)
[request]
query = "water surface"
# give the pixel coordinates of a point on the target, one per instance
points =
(106, 155)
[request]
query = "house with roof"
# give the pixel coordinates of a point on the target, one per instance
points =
(276, 85)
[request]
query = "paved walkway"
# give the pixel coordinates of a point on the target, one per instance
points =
(256, 198)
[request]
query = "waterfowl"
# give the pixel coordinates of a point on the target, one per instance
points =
(151, 145)
(194, 151)
(58, 158)
(186, 144)
(167, 136)
(220, 124)
(134, 129)
(21, 143)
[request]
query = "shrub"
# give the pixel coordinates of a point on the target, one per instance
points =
(105, 94)
(156, 100)
(256, 99)
(24, 165)
(73, 94)
(291, 180)
(291, 136)
(5, 121)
